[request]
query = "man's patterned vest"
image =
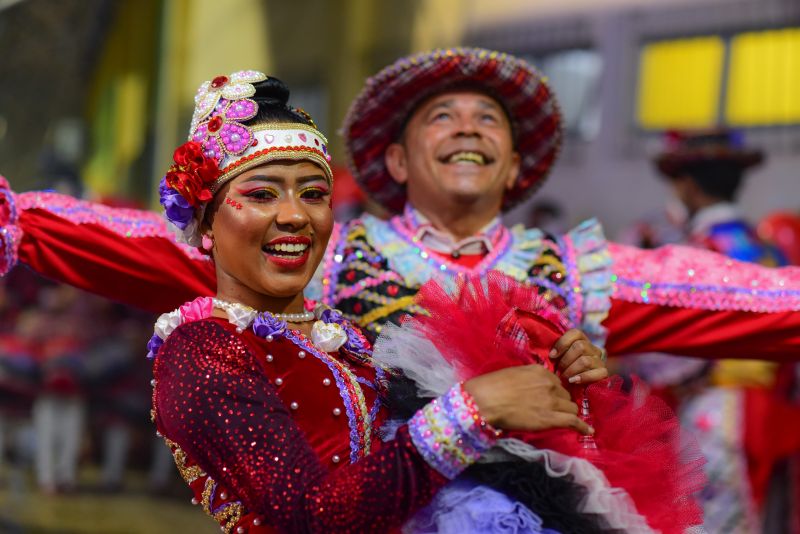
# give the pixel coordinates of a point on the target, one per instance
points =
(375, 268)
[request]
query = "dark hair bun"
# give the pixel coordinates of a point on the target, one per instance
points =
(271, 92)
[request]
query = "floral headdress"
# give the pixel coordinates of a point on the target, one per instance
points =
(221, 146)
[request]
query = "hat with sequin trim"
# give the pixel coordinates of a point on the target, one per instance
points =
(224, 142)
(378, 115)
(690, 147)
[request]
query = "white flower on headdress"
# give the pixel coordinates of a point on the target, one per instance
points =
(167, 322)
(234, 87)
(328, 336)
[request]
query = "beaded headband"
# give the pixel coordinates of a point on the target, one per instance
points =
(221, 146)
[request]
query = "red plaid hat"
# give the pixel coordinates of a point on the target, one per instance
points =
(378, 115)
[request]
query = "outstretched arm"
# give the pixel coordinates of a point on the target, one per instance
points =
(127, 255)
(682, 300)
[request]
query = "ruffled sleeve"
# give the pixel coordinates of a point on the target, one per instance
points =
(130, 256)
(588, 263)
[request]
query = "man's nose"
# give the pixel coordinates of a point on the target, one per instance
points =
(467, 126)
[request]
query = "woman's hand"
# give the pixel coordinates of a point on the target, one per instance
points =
(579, 360)
(525, 398)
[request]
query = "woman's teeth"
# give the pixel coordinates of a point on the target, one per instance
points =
(286, 249)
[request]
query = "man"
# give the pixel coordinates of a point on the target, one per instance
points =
(461, 135)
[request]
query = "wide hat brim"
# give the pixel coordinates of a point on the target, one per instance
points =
(378, 115)
(675, 163)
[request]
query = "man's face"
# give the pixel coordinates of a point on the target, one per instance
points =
(457, 149)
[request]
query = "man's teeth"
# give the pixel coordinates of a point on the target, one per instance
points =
(287, 248)
(467, 157)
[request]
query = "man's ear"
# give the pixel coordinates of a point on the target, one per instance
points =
(513, 171)
(396, 162)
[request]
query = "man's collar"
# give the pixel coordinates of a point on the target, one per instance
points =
(440, 241)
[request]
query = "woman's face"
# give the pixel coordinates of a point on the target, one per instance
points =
(270, 227)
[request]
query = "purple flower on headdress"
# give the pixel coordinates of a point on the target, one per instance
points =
(266, 324)
(179, 211)
(153, 346)
(223, 133)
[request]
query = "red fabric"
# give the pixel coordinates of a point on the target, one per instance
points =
(496, 323)
(770, 435)
(215, 397)
(151, 273)
(639, 328)
(470, 261)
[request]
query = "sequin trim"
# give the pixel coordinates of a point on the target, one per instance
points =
(448, 434)
(124, 222)
(687, 277)
(10, 232)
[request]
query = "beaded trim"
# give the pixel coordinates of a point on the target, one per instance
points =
(449, 432)
(692, 278)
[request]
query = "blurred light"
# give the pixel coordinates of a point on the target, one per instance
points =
(764, 79)
(679, 83)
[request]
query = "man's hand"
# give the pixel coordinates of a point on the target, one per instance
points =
(528, 397)
(579, 360)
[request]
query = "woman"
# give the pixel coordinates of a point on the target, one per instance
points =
(263, 400)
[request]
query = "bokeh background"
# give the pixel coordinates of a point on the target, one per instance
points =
(95, 95)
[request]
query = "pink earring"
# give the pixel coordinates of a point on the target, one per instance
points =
(207, 243)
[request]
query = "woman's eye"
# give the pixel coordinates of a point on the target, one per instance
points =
(262, 194)
(441, 116)
(489, 118)
(313, 194)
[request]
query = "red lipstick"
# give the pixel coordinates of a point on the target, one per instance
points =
(289, 252)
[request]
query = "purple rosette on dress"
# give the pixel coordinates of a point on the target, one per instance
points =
(329, 315)
(153, 346)
(179, 211)
(462, 507)
(268, 326)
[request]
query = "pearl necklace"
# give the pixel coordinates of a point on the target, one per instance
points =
(304, 317)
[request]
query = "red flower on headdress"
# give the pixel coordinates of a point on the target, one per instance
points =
(193, 173)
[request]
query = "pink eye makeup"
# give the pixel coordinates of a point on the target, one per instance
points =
(259, 193)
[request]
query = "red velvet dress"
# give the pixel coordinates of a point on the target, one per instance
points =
(265, 433)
